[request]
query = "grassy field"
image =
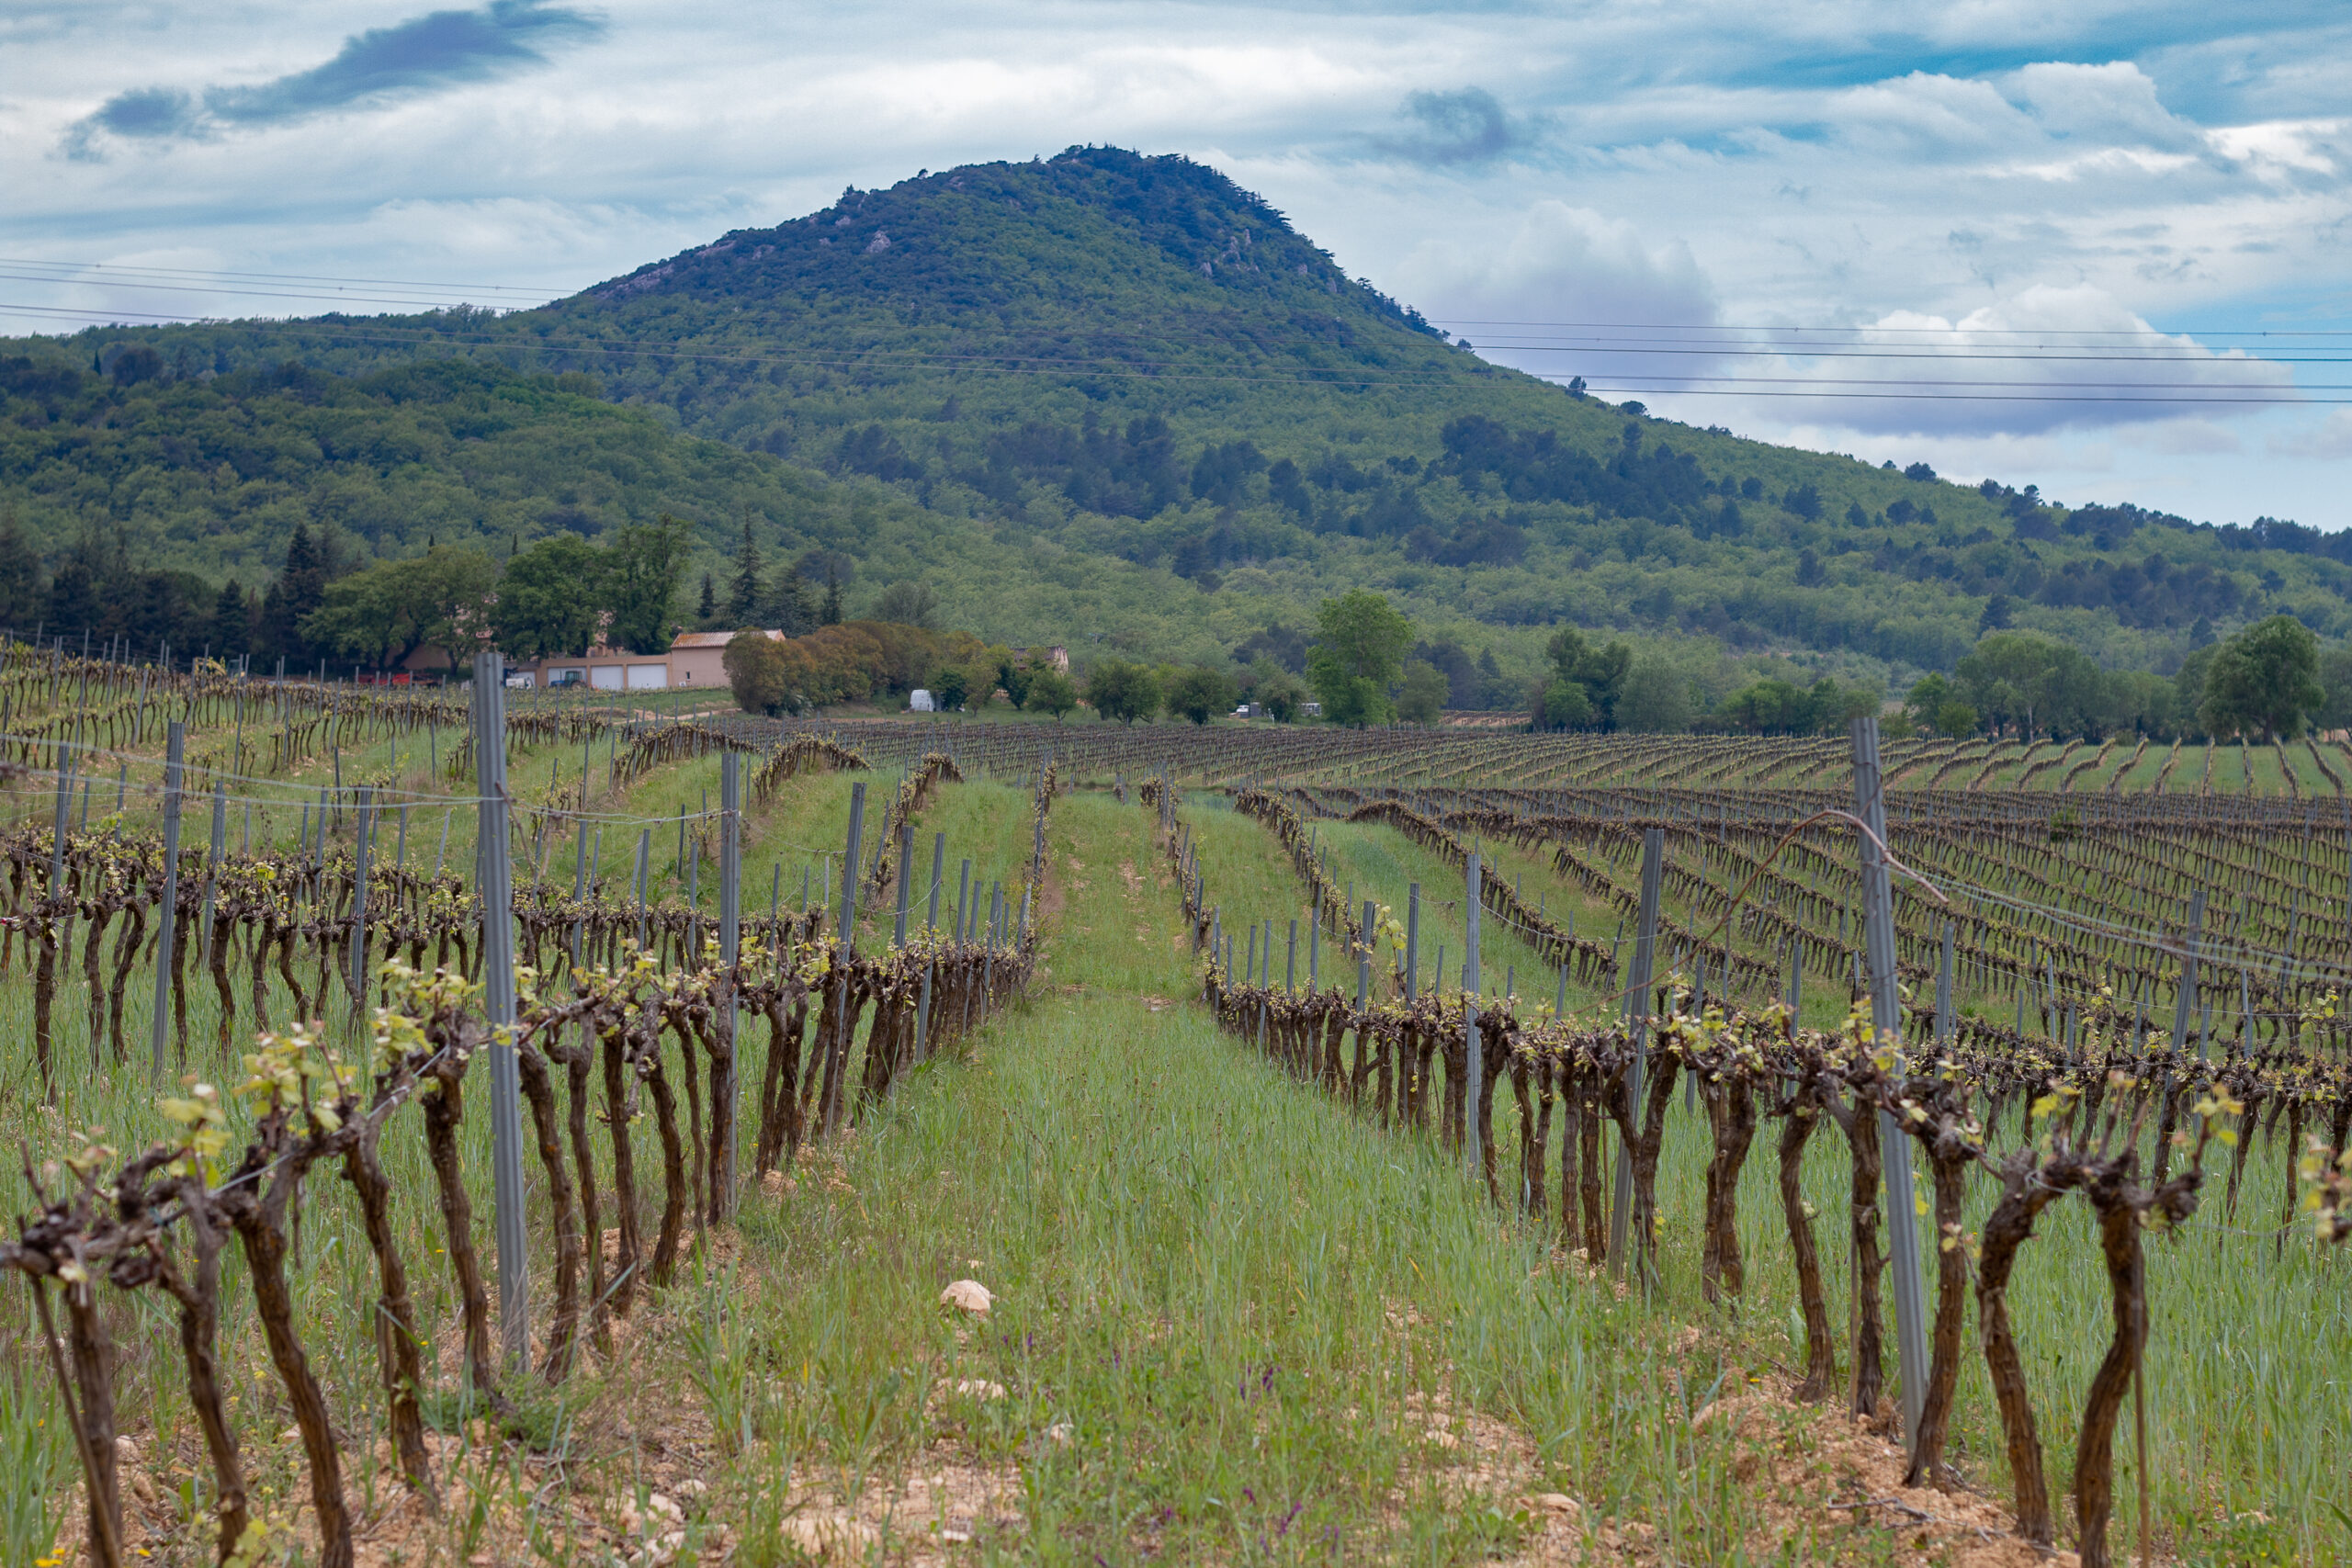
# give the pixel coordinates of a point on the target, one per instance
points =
(1233, 1322)
(2245, 1383)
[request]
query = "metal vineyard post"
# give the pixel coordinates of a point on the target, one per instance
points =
(498, 1003)
(168, 916)
(1886, 1018)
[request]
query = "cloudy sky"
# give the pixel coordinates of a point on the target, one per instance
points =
(2095, 245)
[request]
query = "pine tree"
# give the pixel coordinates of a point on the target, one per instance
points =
(73, 607)
(786, 605)
(743, 592)
(298, 589)
(830, 615)
(21, 602)
(232, 623)
(706, 611)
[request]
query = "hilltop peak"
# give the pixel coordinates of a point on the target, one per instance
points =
(981, 235)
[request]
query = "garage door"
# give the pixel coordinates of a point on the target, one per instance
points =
(606, 677)
(647, 677)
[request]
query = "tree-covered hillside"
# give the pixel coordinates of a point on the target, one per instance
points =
(149, 495)
(1113, 399)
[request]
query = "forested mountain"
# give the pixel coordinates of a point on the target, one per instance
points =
(1099, 398)
(147, 496)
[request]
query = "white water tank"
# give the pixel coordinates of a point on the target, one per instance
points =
(919, 701)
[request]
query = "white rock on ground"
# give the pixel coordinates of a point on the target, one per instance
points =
(968, 1295)
(830, 1536)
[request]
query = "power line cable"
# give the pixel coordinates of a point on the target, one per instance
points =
(112, 268)
(2068, 356)
(1013, 364)
(112, 271)
(2155, 355)
(2012, 332)
(251, 293)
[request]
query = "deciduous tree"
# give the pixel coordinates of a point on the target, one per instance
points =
(1197, 693)
(756, 672)
(647, 561)
(909, 605)
(2034, 682)
(1587, 679)
(1656, 699)
(1117, 689)
(385, 612)
(1359, 645)
(1421, 696)
(553, 597)
(1275, 689)
(1051, 692)
(2263, 682)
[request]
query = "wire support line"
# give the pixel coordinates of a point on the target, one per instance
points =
(983, 363)
(2228, 953)
(81, 271)
(2155, 354)
(2218, 952)
(116, 269)
(1687, 946)
(35, 269)
(378, 1112)
(191, 767)
(1686, 382)
(1019, 364)
(382, 800)
(2054, 355)
(1167, 370)
(427, 302)
(2060, 395)
(2011, 331)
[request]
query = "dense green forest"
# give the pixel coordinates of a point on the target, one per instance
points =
(1104, 400)
(146, 497)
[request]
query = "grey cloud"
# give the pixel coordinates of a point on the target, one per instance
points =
(410, 59)
(1949, 394)
(2329, 441)
(1469, 125)
(148, 111)
(413, 57)
(1556, 263)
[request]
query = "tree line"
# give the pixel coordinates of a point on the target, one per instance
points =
(2268, 681)
(1363, 666)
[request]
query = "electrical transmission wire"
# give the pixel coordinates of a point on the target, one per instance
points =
(114, 270)
(1603, 340)
(1873, 329)
(2184, 393)
(33, 268)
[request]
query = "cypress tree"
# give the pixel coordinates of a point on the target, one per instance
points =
(743, 592)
